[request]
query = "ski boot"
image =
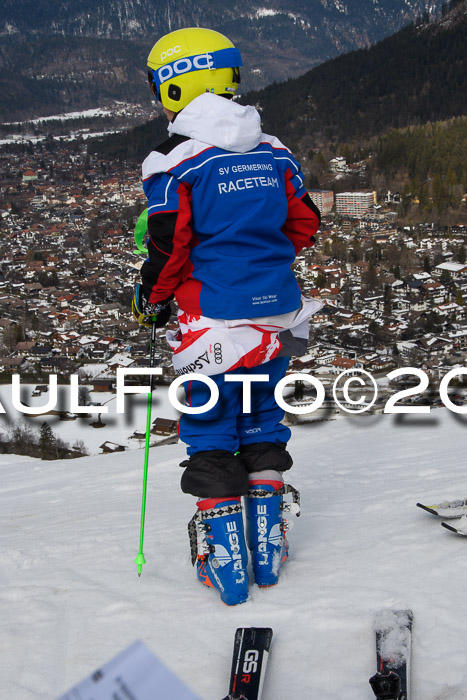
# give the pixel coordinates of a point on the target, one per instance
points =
(267, 524)
(218, 548)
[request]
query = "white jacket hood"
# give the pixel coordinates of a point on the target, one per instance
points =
(219, 122)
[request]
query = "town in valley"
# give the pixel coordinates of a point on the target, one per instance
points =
(394, 292)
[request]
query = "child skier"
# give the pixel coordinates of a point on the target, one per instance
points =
(227, 213)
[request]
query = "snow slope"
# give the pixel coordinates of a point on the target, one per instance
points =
(70, 598)
(118, 427)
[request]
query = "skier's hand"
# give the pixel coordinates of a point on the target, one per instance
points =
(148, 314)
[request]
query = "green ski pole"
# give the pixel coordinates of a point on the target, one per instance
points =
(140, 560)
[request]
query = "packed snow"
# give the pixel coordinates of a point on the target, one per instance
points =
(117, 427)
(394, 643)
(70, 597)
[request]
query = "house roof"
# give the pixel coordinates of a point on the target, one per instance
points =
(345, 362)
(451, 266)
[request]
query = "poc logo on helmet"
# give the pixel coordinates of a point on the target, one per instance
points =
(185, 65)
(170, 52)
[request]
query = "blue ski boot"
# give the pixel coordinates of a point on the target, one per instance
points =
(267, 524)
(218, 548)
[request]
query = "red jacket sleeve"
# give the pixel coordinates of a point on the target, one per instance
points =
(303, 216)
(169, 244)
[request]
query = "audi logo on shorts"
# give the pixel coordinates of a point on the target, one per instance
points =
(217, 347)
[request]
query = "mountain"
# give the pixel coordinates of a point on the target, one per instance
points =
(415, 76)
(138, 18)
(58, 55)
(70, 597)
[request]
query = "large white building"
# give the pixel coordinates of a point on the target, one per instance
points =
(355, 204)
(455, 269)
(324, 200)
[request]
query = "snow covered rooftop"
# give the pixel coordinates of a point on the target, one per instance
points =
(451, 266)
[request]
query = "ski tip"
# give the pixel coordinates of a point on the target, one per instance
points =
(251, 633)
(449, 527)
(392, 618)
(427, 508)
(255, 630)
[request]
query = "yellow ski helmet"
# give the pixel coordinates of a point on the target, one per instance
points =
(188, 62)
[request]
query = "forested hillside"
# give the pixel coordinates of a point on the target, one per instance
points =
(58, 55)
(414, 76)
(427, 163)
(134, 145)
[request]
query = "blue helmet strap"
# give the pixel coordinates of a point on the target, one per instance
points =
(211, 60)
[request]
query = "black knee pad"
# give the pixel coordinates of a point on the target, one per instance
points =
(214, 474)
(260, 456)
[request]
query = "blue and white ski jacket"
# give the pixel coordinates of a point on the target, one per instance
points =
(227, 212)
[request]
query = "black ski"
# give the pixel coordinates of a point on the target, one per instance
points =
(447, 509)
(250, 656)
(450, 510)
(460, 530)
(393, 630)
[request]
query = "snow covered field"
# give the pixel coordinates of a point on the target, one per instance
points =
(70, 597)
(118, 426)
